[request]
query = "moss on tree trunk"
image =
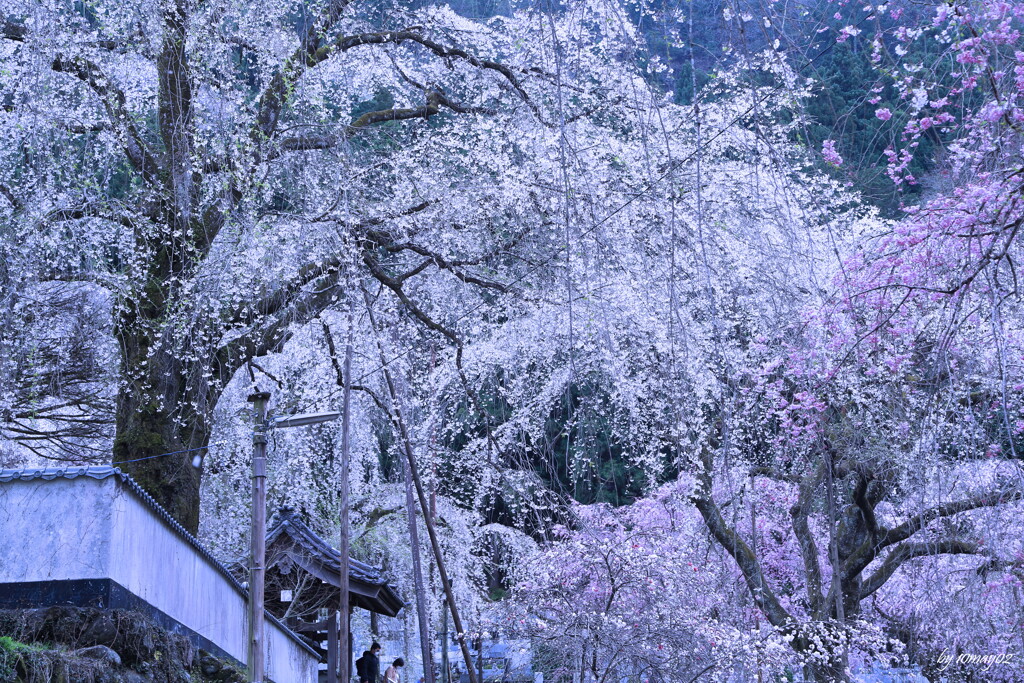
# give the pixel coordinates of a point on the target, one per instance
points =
(158, 413)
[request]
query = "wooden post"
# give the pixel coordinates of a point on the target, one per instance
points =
(332, 648)
(417, 578)
(405, 641)
(480, 656)
(258, 541)
(445, 673)
(424, 505)
(439, 557)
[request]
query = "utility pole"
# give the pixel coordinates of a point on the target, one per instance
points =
(344, 380)
(257, 557)
(258, 545)
(343, 549)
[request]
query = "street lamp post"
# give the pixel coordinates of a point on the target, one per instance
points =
(258, 546)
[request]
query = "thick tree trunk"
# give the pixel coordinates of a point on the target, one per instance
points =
(162, 403)
(157, 415)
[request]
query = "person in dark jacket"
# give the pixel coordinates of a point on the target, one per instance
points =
(368, 666)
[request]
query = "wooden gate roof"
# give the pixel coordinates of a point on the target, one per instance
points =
(292, 543)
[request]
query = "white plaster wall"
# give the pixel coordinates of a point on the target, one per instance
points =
(159, 566)
(54, 530)
(85, 528)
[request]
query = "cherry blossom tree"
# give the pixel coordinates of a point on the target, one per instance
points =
(885, 404)
(224, 169)
(586, 289)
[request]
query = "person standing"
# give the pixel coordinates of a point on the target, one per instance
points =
(391, 675)
(368, 666)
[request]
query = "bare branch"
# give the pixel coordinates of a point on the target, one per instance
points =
(868, 551)
(311, 54)
(276, 94)
(396, 286)
(88, 211)
(773, 473)
(453, 267)
(306, 143)
(860, 497)
(919, 521)
(909, 551)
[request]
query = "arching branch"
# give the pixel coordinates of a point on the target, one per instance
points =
(728, 538)
(310, 54)
(922, 519)
(858, 561)
(908, 551)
